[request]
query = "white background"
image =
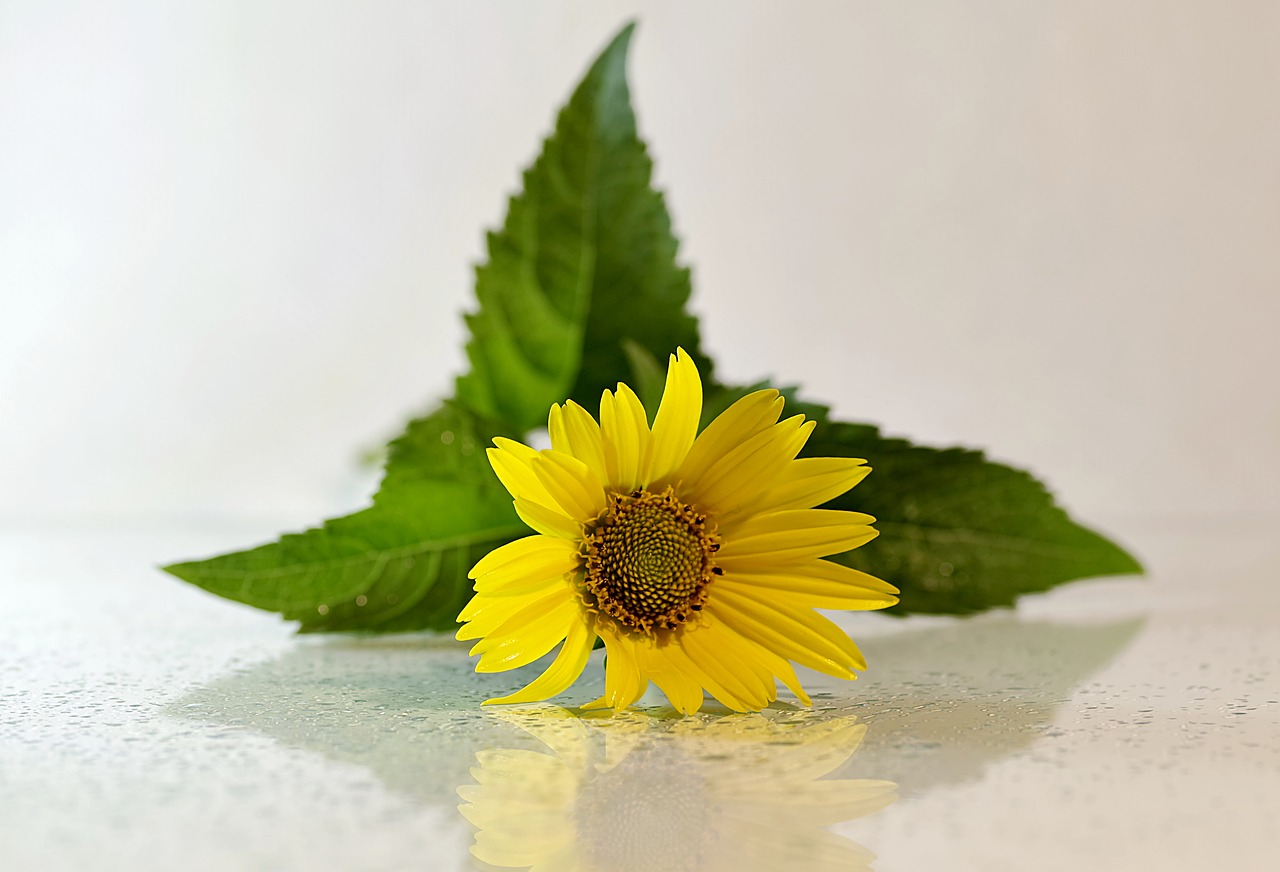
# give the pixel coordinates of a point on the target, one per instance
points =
(236, 237)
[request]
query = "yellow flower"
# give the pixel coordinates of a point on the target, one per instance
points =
(632, 793)
(697, 558)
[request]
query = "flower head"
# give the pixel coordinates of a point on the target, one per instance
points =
(696, 557)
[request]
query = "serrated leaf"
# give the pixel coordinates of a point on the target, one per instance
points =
(584, 261)
(960, 533)
(400, 564)
(582, 289)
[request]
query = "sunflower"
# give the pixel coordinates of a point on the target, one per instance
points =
(642, 794)
(696, 557)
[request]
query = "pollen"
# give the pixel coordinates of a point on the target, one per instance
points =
(648, 561)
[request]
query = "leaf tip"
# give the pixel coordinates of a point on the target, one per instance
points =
(1129, 565)
(615, 53)
(175, 569)
(1113, 558)
(625, 32)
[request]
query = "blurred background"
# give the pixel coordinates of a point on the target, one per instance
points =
(236, 237)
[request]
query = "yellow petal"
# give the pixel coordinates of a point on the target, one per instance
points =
(529, 633)
(740, 476)
(562, 672)
(624, 432)
(574, 432)
(486, 612)
(510, 460)
(745, 650)
(678, 657)
(801, 635)
(498, 586)
(623, 683)
(735, 425)
(548, 522)
(785, 671)
(814, 583)
(735, 670)
(812, 481)
(676, 424)
(683, 692)
(530, 557)
(797, 533)
(609, 439)
(574, 487)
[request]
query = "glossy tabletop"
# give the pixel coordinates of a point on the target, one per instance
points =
(1111, 724)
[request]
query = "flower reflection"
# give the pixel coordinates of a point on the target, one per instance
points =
(633, 793)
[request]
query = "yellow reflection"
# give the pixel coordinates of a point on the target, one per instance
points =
(633, 793)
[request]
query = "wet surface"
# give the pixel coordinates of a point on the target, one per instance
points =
(1114, 724)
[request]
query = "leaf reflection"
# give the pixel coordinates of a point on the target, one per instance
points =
(636, 793)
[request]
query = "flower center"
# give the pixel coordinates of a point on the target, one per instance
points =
(648, 560)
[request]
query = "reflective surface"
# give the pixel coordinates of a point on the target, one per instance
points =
(1110, 725)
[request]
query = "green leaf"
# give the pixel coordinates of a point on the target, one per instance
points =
(398, 565)
(583, 266)
(582, 288)
(959, 533)
(584, 262)
(648, 376)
